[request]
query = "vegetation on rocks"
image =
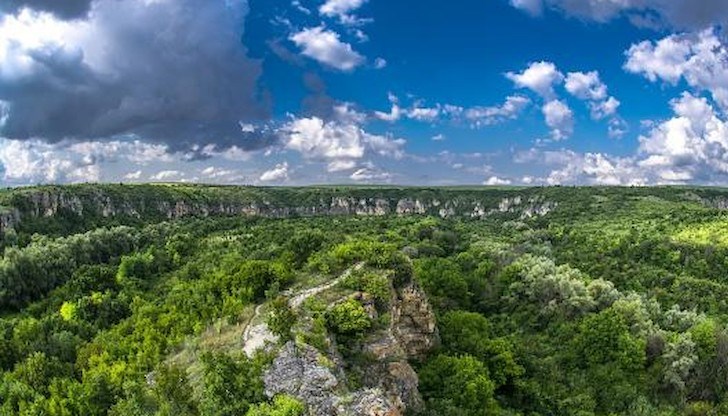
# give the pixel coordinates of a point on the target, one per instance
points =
(132, 300)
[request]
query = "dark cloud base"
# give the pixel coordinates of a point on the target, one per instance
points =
(63, 9)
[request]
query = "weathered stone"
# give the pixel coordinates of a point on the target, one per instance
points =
(297, 372)
(413, 321)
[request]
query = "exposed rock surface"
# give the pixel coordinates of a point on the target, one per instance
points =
(389, 383)
(297, 371)
(413, 321)
(155, 202)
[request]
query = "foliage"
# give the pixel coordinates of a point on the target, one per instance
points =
(281, 318)
(615, 303)
(282, 406)
(458, 385)
(348, 318)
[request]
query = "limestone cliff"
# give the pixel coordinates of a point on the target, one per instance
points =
(126, 203)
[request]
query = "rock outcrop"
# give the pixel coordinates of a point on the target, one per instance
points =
(149, 202)
(297, 371)
(413, 321)
(389, 384)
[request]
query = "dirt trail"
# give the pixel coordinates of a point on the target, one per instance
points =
(256, 336)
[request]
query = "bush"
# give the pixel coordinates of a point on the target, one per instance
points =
(348, 318)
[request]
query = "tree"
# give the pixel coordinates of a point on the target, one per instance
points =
(230, 386)
(281, 318)
(458, 385)
(174, 392)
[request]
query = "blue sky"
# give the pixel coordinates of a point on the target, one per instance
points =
(295, 92)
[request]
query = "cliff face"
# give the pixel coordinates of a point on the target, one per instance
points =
(388, 385)
(157, 203)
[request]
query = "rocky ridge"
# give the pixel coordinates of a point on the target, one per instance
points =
(54, 202)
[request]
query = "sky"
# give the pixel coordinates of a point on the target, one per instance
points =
(300, 92)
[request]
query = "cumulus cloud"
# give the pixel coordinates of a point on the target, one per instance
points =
(428, 114)
(342, 9)
(216, 173)
(166, 70)
(543, 77)
(278, 174)
(478, 116)
(394, 114)
(496, 181)
(586, 86)
(340, 141)
(559, 118)
(589, 87)
(167, 175)
(371, 174)
(700, 59)
(693, 144)
(689, 147)
(596, 169)
(682, 14)
(341, 165)
(509, 110)
(326, 47)
(540, 77)
(34, 161)
(133, 176)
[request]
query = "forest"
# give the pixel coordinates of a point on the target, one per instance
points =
(542, 301)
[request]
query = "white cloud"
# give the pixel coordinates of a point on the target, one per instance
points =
(326, 47)
(342, 9)
(428, 114)
(34, 161)
(341, 165)
(539, 77)
(134, 151)
(167, 175)
(439, 138)
(597, 169)
(380, 63)
(136, 175)
(603, 109)
(700, 59)
(511, 109)
(278, 174)
(691, 145)
(298, 6)
(371, 174)
(496, 181)
(314, 138)
(589, 87)
(394, 114)
(385, 146)
(570, 168)
(664, 59)
(533, 7)
(213, 172)
(477, 116)
(559, 118)
(586, 86)
(337, 142)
